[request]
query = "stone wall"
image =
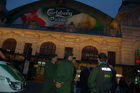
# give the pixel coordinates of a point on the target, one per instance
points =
(130, 41)
(61, 40)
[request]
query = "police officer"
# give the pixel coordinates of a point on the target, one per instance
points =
(100, 79)
(49, 75)
(65, 73)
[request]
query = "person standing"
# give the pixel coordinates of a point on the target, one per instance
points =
(122, 85)
(100, 79)
(26, 69)
(65, 72)
(49, 75)
(31, 71)
(74, 76)
(84, 79)
(137, 88)
(74, 62)
(114, 79)
(131, 86)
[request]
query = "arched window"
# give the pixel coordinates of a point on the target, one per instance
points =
(47, 48)
(136, 19)
(89, 53)
(10, 45)
(125, 19)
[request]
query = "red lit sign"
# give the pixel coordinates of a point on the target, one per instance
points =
(137, 61)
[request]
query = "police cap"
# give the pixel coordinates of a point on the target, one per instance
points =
(102, 55)
(52, 56)
(67, 54)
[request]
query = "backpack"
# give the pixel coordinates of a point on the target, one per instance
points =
(104, 78)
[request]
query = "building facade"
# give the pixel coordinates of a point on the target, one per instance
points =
(57, 26)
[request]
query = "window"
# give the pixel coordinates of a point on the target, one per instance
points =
(112, 57)
(9, 45)
(89, 53)
(68, 49)
(47, 48)
(137, 53)
(27, 49)
(137, 19)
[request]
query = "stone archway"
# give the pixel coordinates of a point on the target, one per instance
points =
(89, 53)
(47, 48)
(9, 44)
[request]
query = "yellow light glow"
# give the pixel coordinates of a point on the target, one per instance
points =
(118, 75)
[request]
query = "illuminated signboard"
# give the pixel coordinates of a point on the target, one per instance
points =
(138, 61)
(60, 17)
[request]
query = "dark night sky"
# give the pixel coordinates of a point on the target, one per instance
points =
(109, 7)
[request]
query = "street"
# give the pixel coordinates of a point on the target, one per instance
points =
(33, 87)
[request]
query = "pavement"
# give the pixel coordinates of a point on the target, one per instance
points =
(33, 87)
(36, 87)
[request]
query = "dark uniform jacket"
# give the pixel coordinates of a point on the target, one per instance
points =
(49, 78)
(65, 71)
(100, 79)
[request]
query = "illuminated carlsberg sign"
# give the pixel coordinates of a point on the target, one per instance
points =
(59, 14)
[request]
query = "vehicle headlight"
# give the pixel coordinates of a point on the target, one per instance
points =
(15, 85)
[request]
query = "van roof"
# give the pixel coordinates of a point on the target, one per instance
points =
(2, 62)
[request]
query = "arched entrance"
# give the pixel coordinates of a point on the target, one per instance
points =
(89, 53)
(47, 48)
(9, 45)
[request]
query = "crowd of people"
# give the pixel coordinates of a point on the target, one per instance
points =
(126, 86)
(60, 78)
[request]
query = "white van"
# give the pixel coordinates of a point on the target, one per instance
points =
(11, 81)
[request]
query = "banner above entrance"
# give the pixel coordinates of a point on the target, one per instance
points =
(60, 17)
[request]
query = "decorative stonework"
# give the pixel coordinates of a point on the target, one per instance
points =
(61, 40)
